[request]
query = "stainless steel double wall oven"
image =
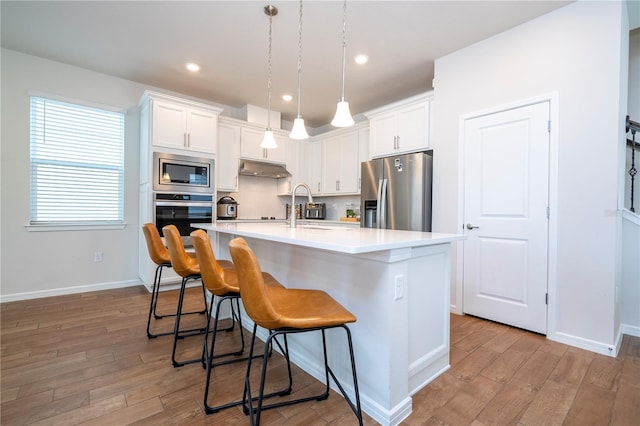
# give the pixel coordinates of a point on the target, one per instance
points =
(183, 192)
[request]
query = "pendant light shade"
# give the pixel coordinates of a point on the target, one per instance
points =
(269, 142)
(299, 131)
(343, 115)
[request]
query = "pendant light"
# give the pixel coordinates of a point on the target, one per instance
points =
(343, 115)
(298, 131)
(269, 141)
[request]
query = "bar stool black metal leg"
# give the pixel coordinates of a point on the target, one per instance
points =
(177, 333)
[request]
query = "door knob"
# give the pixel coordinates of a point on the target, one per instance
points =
(470, 226)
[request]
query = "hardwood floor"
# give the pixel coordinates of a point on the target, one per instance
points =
(85, 359)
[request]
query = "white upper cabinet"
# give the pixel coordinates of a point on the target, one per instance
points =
(250, 140)
(401, 127)
(180, 124)
(310, 169)
(292, 152)
(227, 157)
(340, 161)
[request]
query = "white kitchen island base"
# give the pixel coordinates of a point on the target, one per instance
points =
(400, 296)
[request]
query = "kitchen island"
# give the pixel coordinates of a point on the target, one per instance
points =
(395, 282)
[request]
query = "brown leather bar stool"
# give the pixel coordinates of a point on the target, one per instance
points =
(187, 267)
(285, 311)
(160, 256)
(220, 278)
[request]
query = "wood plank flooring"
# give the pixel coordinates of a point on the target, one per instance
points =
(85, 359)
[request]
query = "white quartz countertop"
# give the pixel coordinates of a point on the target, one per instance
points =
(344, 239)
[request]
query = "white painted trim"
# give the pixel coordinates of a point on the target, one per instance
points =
(552, 244)
(631, 216)
(586, 344)
(68, 290)
(630, 330)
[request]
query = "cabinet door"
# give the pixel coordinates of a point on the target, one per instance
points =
(292, 160)
(340, 164)
(250, 147)
(201, 130)
(250, 144)
(331, 165)
(169, 123)
(349, 164)
(383, 134)
(363, 151)
(227, 157)
(413, 128)
(311, 173)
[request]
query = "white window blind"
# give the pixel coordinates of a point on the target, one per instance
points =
(77, 164)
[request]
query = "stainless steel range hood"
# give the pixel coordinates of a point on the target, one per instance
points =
(262, 169)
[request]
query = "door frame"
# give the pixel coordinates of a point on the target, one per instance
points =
(552, 255)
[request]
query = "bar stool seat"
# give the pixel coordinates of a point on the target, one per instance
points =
(222, 282)
(188, 268)
(285, 311)
(159, 255)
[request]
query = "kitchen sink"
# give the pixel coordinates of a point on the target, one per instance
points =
(323, 228)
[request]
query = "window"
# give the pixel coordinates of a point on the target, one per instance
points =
(77, 164)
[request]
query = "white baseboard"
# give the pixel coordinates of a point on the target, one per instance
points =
(631, 330)
(586, 344)
(67, 290)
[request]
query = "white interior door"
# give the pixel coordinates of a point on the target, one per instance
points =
(506, 190)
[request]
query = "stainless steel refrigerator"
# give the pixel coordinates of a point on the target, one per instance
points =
(396, 192)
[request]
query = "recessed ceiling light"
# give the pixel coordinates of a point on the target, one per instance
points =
(193, 67)
(287, 98)
(361, 59)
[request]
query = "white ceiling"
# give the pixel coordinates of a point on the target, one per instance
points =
(150, 41)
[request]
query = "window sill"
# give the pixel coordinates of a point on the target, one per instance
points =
(74, 227)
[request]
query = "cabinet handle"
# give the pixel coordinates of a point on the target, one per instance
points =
(184, 140)
(337, 185)
(359, 182)
(398, 143)
(318, 187)
(188, 140)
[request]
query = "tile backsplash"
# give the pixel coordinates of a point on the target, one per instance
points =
(258, 197)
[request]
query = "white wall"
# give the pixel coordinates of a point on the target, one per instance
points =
(45, 262)
(575, 52)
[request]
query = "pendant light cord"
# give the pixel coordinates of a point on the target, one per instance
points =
(344, 43)
(269, 78)
(299, 54)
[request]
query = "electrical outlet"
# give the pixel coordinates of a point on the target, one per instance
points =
(97, 256)
(399, 287)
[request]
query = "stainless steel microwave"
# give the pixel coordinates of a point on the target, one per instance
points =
(181, 173)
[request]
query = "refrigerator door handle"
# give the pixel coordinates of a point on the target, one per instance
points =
(379, 204)
(382, 203)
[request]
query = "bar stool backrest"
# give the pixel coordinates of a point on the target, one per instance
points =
(253, 291)
(157, 251)
(217, 280)
(183, 264)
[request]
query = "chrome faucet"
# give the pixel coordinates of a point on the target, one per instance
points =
(292, 215)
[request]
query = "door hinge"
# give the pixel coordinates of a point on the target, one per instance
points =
(546, 298)
(549, 126)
